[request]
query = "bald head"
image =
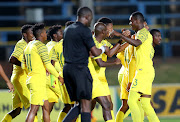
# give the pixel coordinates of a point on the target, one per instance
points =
(99, 28)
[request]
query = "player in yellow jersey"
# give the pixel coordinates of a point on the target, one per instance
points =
(100, 62)
(21, 95)
(4, 76)
(53, 90)
(58, 49)
(36, 61)
(142, 83)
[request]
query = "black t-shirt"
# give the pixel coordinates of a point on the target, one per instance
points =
(77, 43)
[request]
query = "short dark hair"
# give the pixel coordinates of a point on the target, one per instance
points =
(105, 20)
(37, 29)
(24, 28)
(53, 30)
(83, 11)
(153, 31)
(68, 23)
(138, 15)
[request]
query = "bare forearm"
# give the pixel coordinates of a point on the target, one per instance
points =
(14, 60)
(113, 50)
(129, 40)
(4, 76)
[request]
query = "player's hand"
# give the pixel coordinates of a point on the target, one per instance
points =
(128, 87)
(10, 86)
(126, 32)
(117, 61)
(61, 80)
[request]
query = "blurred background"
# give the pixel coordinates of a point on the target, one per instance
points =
(160, 14)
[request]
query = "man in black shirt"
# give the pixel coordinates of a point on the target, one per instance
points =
(77, 43)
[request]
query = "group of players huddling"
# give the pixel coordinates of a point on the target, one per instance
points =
(39, 79)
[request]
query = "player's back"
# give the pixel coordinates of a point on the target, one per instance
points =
(18, 53)
(50, 45)
(34, 62)
(77, 43)
(59, 52)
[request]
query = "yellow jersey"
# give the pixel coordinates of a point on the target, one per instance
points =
(18, 53)
(50, 45)
(36, 60)
(101, 70)
(144, 52)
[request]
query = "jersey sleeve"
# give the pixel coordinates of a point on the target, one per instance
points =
(87, 37)
(142, 35)
(109, 45)
(18, 50)
(43, 52)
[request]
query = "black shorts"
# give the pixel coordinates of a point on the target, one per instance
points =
(78, 81)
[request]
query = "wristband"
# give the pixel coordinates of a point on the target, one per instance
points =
(103, 49)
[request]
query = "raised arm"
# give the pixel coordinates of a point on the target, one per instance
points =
(134, 42)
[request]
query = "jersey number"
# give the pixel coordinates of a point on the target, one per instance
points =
(28, 62)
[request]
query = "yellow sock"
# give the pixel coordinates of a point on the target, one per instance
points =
(7, 118)
(112, 114)
(119, 116)
(35, 119)
(61, 116)
(127, 113)
(133, 106)
(79, 118)
(146, 105)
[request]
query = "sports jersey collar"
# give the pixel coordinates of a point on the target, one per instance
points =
(24, 40)
(141, 29)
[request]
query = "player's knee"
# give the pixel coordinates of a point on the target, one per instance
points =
(107, 105)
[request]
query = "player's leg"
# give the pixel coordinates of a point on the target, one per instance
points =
(64, 112)
(133, 106)
(122, 110)
(148, 109)
(106, 106)
(17, 106)
(46, 113)
(85, 110)
(32, 113)
(111, 106)
(93, 104)
(51, 104)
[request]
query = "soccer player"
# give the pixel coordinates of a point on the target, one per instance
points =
(4, 76)
(53, 90)
(142, 82)
(101, 91)
(77, 43)
(21, 94)
(156, 37)
(36, 60)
